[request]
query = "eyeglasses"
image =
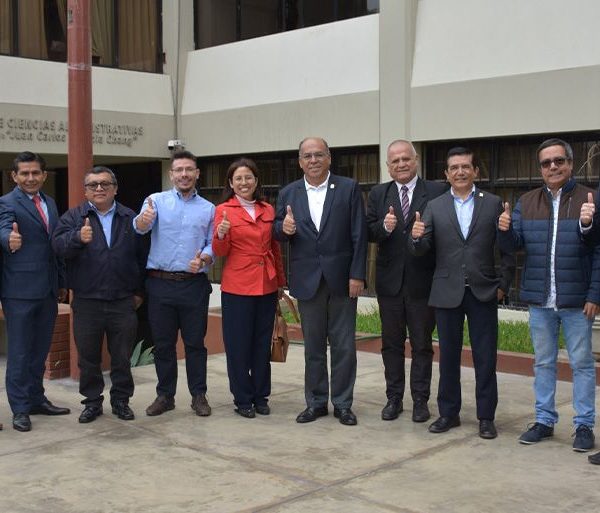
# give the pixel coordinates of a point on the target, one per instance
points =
(92, 186)
(557, 161)
(187, 170)
(318, 155)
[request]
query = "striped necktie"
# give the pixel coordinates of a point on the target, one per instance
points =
(405, 203)
(38, 205)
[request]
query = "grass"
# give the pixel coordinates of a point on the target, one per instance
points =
(512, 335)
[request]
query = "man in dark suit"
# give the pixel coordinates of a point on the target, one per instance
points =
(322, 216)
(461, 225)
(32, 281)
(403, 281)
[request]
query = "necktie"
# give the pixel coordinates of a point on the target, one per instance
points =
(405, 203)
(38, 204)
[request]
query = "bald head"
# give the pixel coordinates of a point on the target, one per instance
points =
(402, 161)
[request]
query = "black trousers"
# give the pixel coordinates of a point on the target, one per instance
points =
(482, 319)
(92, 320)
(247, 328)
(397, 314)
(173, 306)
(327, 317)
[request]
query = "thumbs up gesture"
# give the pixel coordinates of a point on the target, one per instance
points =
(504, 219)
(224, 225)
(587, 211)
(418, 228)
(390, 220)
(289, 225)
(15, 241)
(196, 264)
(85, 234)
(147, 217)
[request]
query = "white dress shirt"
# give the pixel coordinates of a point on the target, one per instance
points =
(316, 200)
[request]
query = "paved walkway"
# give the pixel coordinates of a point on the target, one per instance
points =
(179, 462)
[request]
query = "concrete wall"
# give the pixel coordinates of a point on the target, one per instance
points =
(133, 112)
(266, 94)
(487, 68)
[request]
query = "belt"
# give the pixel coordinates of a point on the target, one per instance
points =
(176, 276)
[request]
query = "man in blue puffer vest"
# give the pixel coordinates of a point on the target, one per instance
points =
(561, 284)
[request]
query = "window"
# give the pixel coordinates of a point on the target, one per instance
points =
(125, 34)
(224, 21)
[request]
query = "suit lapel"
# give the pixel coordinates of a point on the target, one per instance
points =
(392, 199)
(29, 207)
(419, 200)
(477, 205)
(303, 204)
(451, 213)
(329, 195)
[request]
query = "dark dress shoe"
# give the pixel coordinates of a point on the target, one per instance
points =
(311, 414)
(122, 410)
(420, 412)
(392, 409)
(346, 416)
(444, 424)
(262, 409)
(160, 405)
(249, 413)
(487, 429)
(594, 459)
(47, 408)
(21, 422)
(90, 413)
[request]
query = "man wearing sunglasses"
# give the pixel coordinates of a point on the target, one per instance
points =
(105, 266)
(561, 283)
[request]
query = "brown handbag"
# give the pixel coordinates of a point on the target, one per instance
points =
(280, 341)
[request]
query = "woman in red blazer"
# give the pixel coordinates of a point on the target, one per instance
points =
(251, 283)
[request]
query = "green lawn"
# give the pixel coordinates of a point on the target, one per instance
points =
(512, 335)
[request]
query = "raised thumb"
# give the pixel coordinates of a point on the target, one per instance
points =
(87, 221)
(391, 210)
(15, 228)
(417, 217)
(289, 211)
(150, 203)
(590, 197)
(224, 215)
(507, 208)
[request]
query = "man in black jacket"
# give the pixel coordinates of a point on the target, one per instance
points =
(403, 281)
(105, 271)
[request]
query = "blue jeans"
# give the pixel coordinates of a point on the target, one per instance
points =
(544, 325)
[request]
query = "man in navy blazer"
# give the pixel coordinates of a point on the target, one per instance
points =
(32, 281)
(322, 216)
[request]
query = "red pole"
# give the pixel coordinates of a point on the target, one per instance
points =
(80, 159)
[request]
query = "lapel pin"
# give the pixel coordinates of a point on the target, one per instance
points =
(332, 186)
(481, 194)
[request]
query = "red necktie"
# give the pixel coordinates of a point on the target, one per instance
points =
(38, 204)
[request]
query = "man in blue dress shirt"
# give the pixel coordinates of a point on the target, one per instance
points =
(177, 286)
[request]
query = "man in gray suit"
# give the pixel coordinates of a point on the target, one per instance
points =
(461, 224)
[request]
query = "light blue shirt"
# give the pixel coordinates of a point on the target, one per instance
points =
(106, 220)
(464, 211)
(182, 227)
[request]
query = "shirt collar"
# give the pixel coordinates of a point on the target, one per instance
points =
(109, 211)
(471, 194)
(410, 185)
(180, 196)
(317, 187)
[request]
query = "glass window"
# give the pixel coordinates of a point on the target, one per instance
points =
(224, 21)
(216, 22)
(6, 31)
(103, 32)
(138, 35)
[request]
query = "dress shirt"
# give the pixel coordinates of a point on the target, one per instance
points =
(316, 200)
(182, 227)
(411, 188)
(551, 302)
(42, 203)
(106, 220)
(464, 211)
